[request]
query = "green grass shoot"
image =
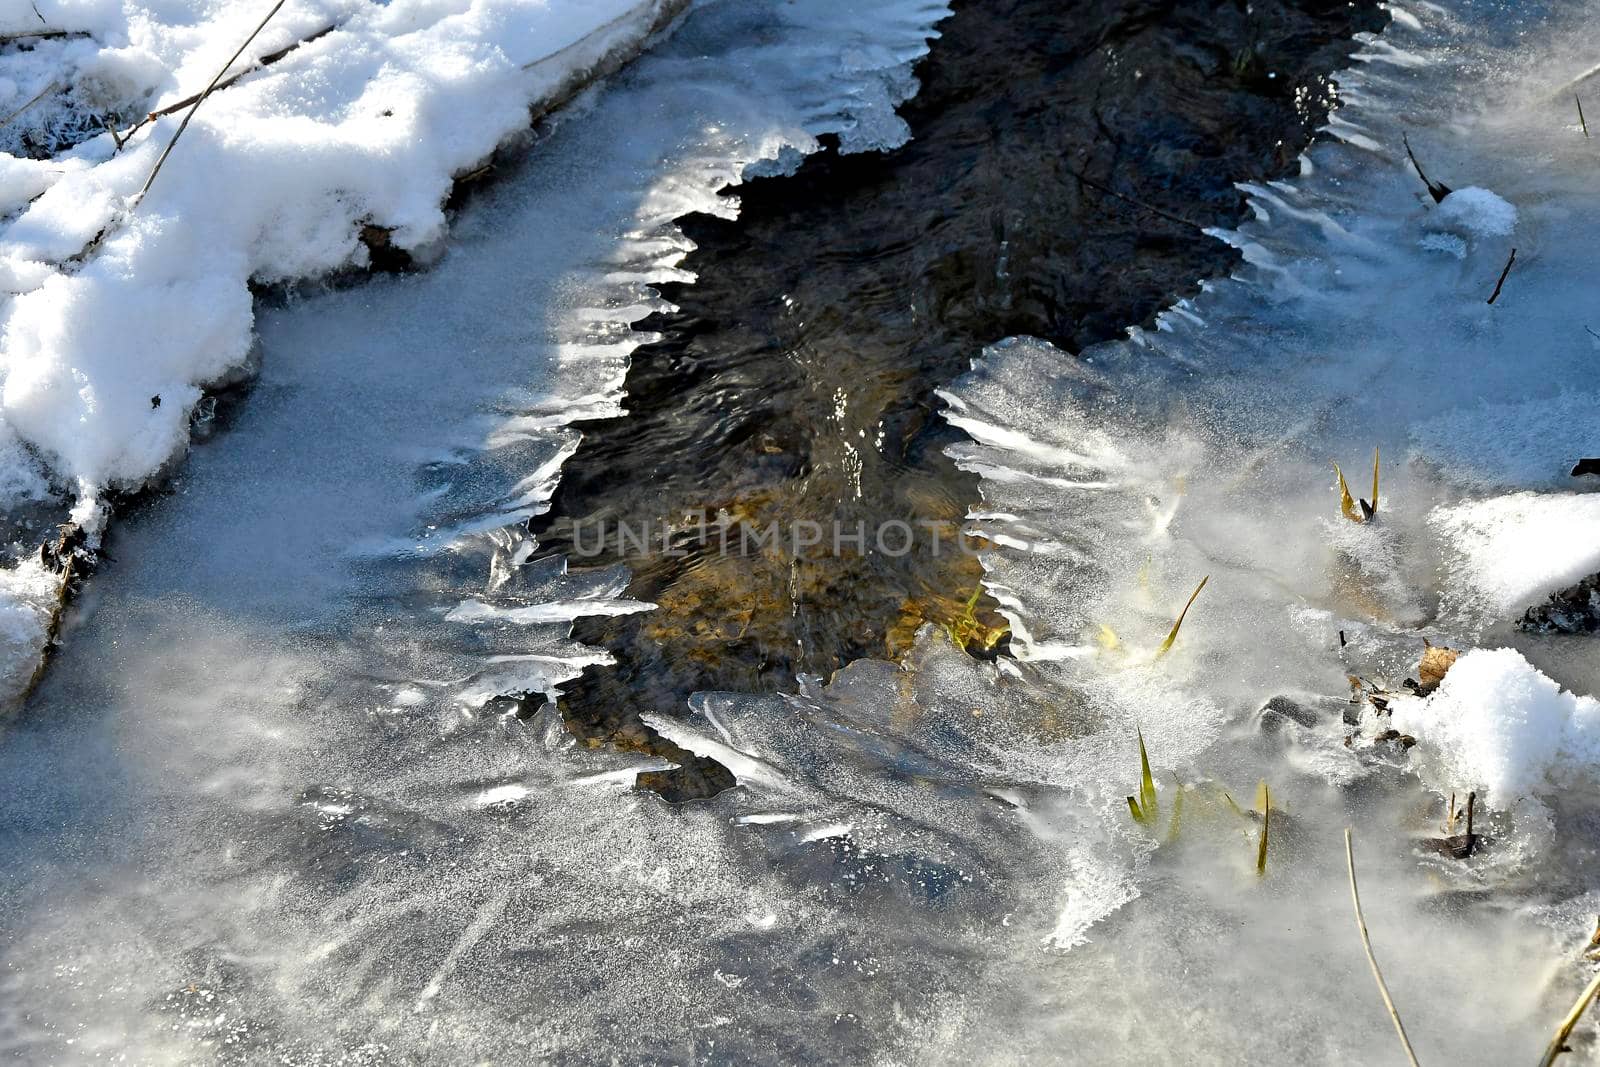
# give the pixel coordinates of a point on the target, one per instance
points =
(1264, 803)
(1147, 808)
(1175, 826)
(1166, 646)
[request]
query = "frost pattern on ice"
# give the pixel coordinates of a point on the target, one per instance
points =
(1114, 481)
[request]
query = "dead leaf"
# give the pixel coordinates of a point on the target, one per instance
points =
(1436, 662)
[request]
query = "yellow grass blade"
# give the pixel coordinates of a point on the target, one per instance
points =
(1149, 803)
(1347, 503)
(1166, 646)
(1374, 481)
(1264, 802)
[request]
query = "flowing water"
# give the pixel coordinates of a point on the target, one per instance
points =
(297, 789)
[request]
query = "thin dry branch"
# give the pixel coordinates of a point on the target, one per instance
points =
(1503, 275)
(184, 125)
(1169, 216)
(46, 91)
(1366, 943)
(189, 101)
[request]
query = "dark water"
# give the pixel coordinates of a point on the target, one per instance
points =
(1065, 158)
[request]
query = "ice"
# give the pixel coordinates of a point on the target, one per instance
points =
(364, 124)
(1114, 481)
(271, 802)
(1499, 726)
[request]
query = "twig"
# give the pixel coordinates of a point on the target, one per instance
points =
(1496, 294)
(184, 125)
(40, 35)
(111, 128)
(46, 91)
(1581, 120)
(1558, 1044)
(1437, 190)
(1169, 216)
(1591, 333)
(266, 60)
(1366, 943)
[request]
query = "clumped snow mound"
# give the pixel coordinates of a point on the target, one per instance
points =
(117, 310)
(363, 125)
(1508, 553)
(1498, 725)
(28, 597)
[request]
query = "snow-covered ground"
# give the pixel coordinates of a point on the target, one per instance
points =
(118, 305)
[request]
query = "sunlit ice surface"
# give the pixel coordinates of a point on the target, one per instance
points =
(267, 805)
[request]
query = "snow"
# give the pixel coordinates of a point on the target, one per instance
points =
(28, 594)
(1474, 212)
(1498, 725)
(117, 311)
(1508, 553)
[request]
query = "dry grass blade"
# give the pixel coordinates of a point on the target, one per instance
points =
(46, 91)
(1372, 508)
(1558, 1044)
(1264, 802)
(1174, 827)
(1347, 502)
(1166, 646)
(1366, 943)
(184, 125)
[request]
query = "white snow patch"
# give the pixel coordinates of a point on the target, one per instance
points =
(1498, 725)
(117, 309)
(1507, 553)
(1475, 212)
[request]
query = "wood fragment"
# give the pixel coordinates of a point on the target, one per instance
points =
(1496, 294)
(1437, 190)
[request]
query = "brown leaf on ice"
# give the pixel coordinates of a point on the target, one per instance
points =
(1436, 662)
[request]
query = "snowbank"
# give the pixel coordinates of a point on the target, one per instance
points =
(116, 310)
(273, 180)
(1498, 725)
(1508, 553)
